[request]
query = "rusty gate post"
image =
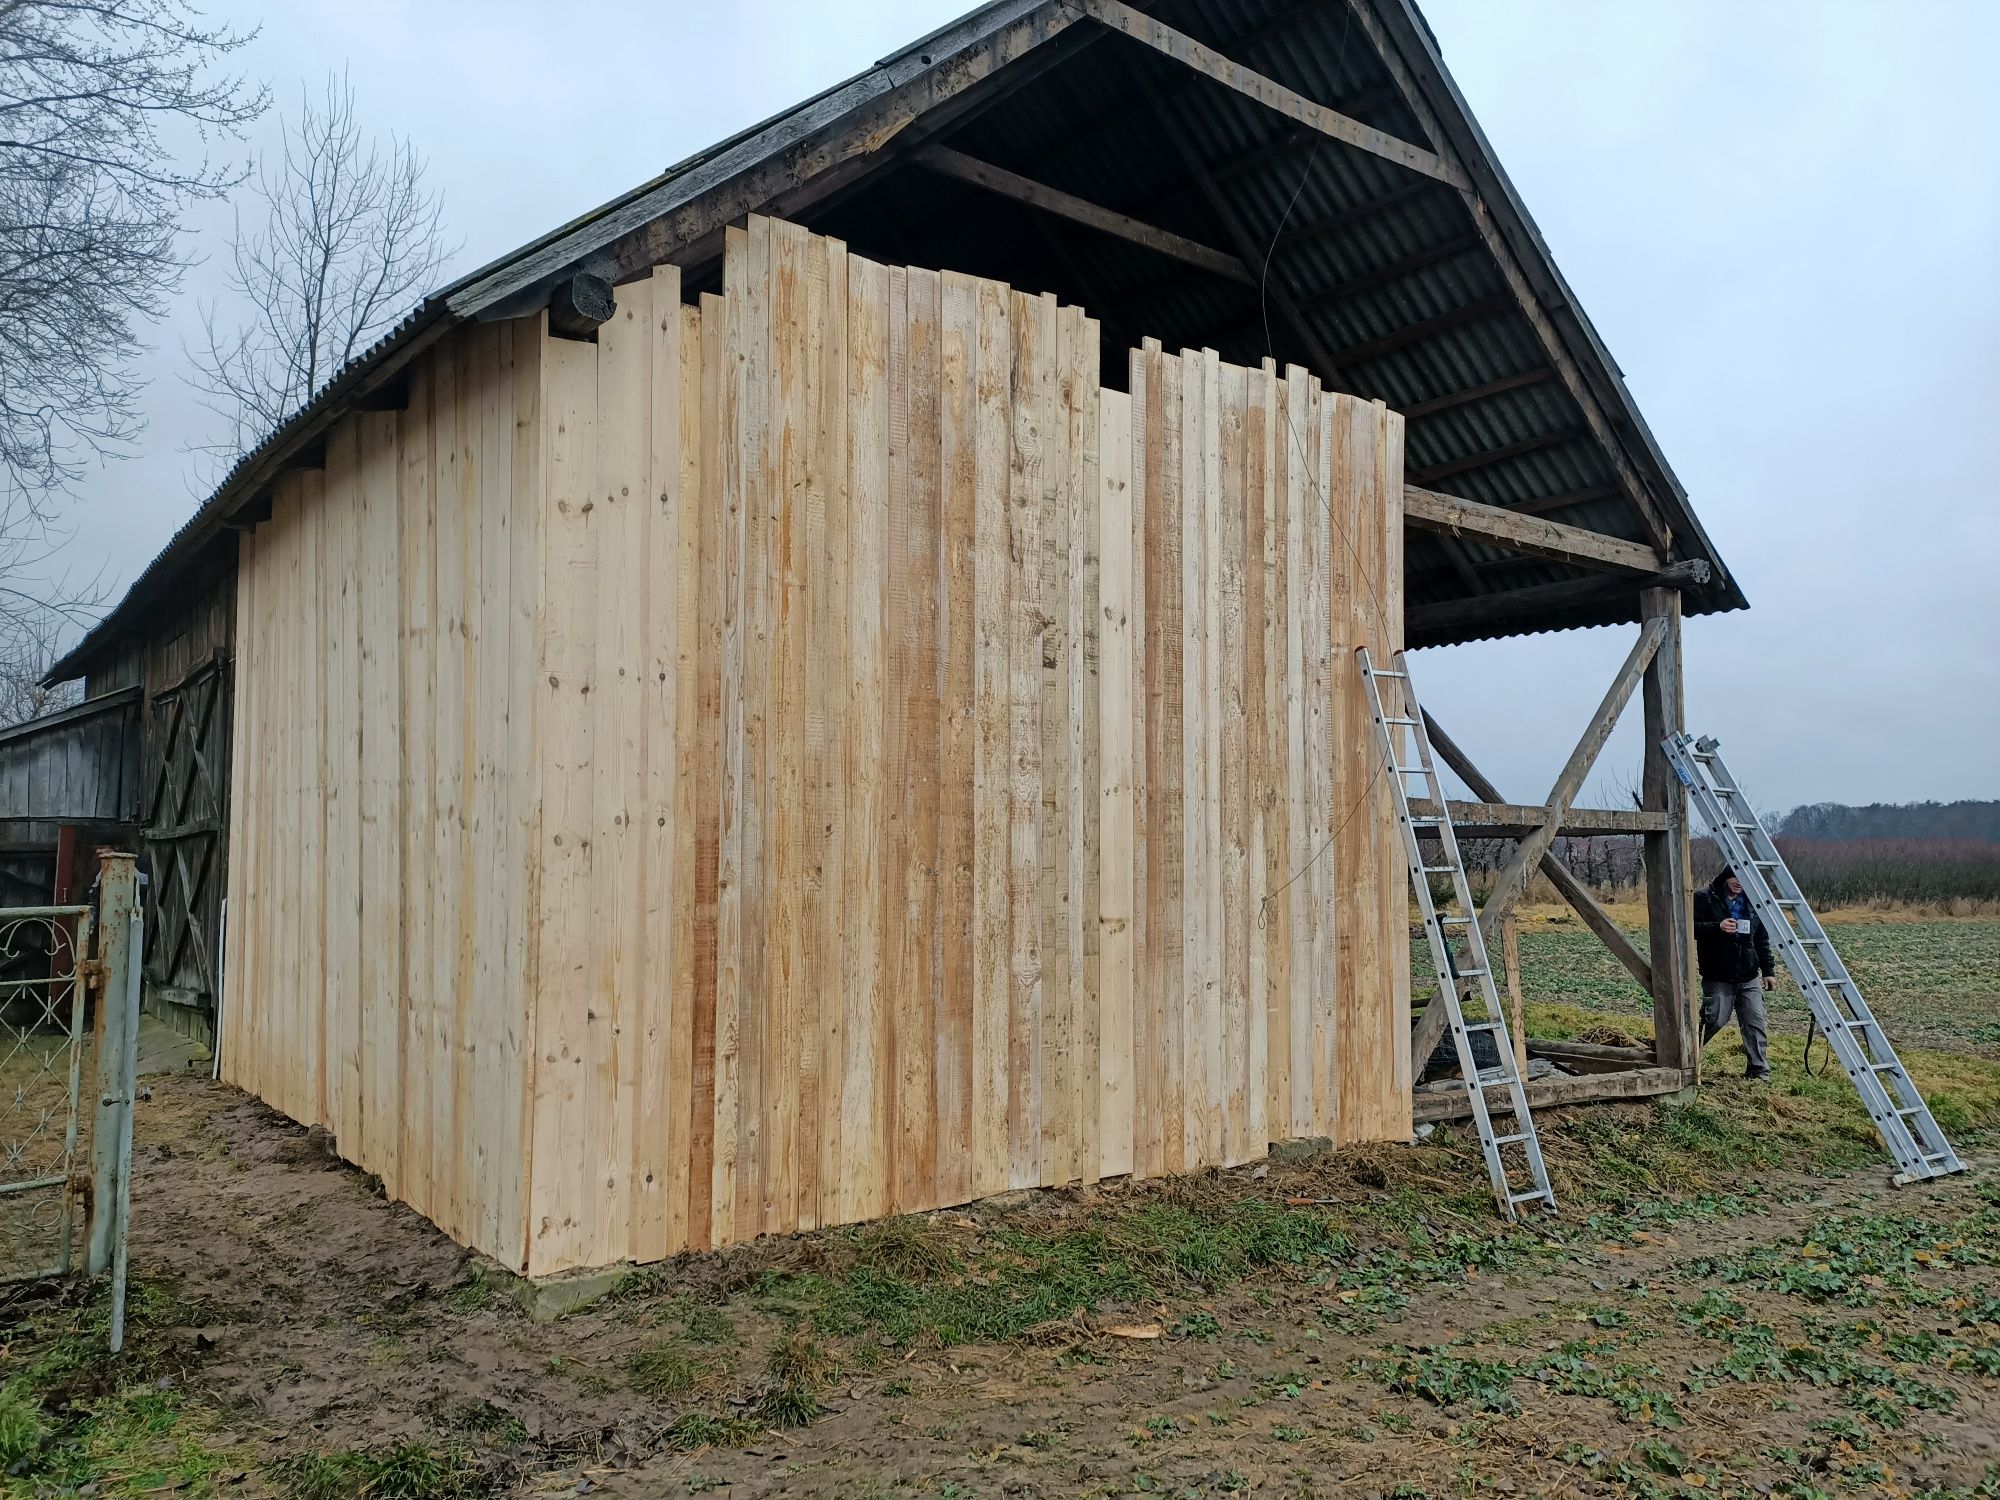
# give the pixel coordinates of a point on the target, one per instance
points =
(118, 896)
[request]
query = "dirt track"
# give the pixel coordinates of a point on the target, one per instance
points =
(315, 1317)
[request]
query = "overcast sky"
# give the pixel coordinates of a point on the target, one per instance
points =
(1784, 219)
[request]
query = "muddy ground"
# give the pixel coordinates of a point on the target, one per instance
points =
(1771, 1332)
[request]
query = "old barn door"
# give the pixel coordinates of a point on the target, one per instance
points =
(186, 826)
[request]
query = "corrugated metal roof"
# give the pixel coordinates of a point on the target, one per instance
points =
(1372, 254)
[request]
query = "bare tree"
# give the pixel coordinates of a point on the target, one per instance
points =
(32, 636)
(92, 192)
(348, 239)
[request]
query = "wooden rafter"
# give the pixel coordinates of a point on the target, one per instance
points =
(1554, 347)
(1184, 49)
(1528, 853)
(1417, 410)
(1432, 473)
(956, 164)
(1424, 623)
(1427, 510)
(1393, 270)
(1411, 333)
(1274, 290)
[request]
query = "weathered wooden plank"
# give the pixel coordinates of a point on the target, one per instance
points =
(1167, 772)
(567, 963)
(789, 1136)
(1032, 327)
(1081, 403)
(711, 1067)
(914, 536)
(1427, 510)
(865, 1113)
(1055, 1113)
(958, 476)
(1547, 1093)
(1116, 846)
(828, 506)
(677, 545)
(1143, 375)
(991, 831)
(1233, 767)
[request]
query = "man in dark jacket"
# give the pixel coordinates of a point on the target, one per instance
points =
(1734, 954)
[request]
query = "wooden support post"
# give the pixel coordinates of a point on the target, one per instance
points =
(1517, 1015)
(1669, 895)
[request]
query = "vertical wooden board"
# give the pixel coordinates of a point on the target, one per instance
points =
(711, 1094)
(562, 1177)
(894, 848)
(472, 358)
(1214, 857)
(380, 805)
(1197, 864)
(676, 545)
(622, 1025)
(1144, 377)
(914, 647)
(1234, 767)
(494, 1105)
(993, 367)
(1054, 1114)
(1166, 654)
(520, 848)
(866, 1082)
(1081, 405)
(1394, 899)
(828, 519)
(1260, 701)
(339, 735)
(1321, 755)
(958, 474)
(310, 811)
(1115, 844)
(747, 288)
(416, 506)
(790, 417)
(444, 744)
(1033, 332)
(1303, 847)
(729, 979)
(234, 1044)
(1356, 975)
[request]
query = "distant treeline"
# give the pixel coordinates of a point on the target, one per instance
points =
(1892, 820)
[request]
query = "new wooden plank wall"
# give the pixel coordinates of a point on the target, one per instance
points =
(956, 777)
(812, 755)
(382, 821)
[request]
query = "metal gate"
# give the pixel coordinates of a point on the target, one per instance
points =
(43, 956)
(186, 819)
(69, 1026)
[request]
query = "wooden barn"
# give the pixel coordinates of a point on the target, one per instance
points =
(826, 688)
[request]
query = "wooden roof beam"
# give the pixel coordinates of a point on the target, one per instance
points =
(1425, 624)
(1411, 333)
(956, 164)
(1417, 410)
(1279, 297)
(1554, 346)
(1185, 50)
(1393, 271)
(1448, 515)
(1490, 456)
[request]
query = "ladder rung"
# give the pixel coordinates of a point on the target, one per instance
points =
(1493, 1078)
(1511, 1140)
(1439, 869)
(1392, 719)
(1531, 1197)
(1455, 920)
(1414, 770)
(1482, 1025)
(1427, 822)
(1385, 672)
(1470, 973)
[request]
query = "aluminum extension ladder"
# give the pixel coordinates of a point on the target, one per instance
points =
(1468, 966)
(1901, 1117)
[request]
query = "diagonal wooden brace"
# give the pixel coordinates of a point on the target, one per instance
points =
(1528, 853)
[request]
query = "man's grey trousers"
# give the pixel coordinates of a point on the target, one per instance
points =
(1723, 1001)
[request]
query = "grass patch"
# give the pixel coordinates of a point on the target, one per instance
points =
(407, 1471)
(799, 1368)
(665, 1368)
